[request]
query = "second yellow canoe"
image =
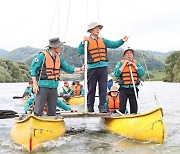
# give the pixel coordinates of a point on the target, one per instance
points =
(148, 127)
(76, 100)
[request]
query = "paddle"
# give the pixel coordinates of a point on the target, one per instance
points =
(74, 96)
(4, 114)
(135, 92)
(120, 113)
(17, 97)
(85, 76)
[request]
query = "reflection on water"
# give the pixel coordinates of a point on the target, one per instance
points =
(87, 135)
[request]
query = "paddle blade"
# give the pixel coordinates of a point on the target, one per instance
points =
(4, 114)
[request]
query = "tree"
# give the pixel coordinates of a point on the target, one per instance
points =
(172, 67)
(13, 72)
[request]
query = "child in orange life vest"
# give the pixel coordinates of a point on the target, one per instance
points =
(112, 100)
(77, 89)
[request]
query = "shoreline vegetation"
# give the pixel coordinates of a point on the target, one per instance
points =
(14, 65)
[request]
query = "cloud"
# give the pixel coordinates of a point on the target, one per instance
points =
(151, 24)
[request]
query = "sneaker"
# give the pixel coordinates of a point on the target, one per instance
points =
(102, 110)
(90, 109)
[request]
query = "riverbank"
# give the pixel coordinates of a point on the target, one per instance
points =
(154, 76)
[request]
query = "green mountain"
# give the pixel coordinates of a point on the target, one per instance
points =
(21, 54)
(153, 61)
(159, 53)
(160, 56)
(21, 58)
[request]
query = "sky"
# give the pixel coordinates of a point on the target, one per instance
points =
(150, 24)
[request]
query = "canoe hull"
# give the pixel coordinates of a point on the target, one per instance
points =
(148, 127)
(75, 100)
(32, 130)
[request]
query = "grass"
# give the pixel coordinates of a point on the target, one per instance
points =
(155, 76)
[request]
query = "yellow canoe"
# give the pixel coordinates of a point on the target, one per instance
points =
(148, 127)
(76, 100)
(32, 130)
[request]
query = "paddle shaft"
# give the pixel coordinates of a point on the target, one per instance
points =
(120, 113)
(17, 97)
(85, 77)
(135, 92)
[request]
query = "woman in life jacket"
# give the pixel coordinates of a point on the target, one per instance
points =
(122, 71)
(112, 100)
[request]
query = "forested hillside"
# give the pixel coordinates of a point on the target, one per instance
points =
(26, 54)
(13, 71)
(22, 58)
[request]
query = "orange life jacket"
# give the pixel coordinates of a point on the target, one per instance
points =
(97, 51)
(76, 90)
(113, 104)
(126, 76)
(51, 68)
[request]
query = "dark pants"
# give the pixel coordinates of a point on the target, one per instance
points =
(46, 96)
(97, 75)
(126, 93)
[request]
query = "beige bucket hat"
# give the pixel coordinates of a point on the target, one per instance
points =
(93, 25)
(114, 88)
(55, 42)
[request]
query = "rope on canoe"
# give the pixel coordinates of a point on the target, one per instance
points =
(127, 137)
(115, 143)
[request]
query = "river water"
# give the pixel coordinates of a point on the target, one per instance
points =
(87, 135)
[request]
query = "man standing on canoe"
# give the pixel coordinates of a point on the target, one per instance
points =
(45, 72)
(97, 64)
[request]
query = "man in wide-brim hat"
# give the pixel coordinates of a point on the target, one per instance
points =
(93, 25)
(55, 43)
(45, 72)
(97, 63)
